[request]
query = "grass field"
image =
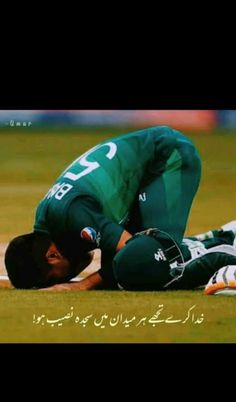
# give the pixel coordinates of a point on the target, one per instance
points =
(30, 162)
(100, 316)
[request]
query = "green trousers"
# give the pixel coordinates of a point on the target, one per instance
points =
(153, 266)
(165, 201)
(198, 271)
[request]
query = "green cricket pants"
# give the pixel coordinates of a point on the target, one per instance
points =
(165, 201)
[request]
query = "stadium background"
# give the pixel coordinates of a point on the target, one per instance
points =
(36, 145)
(181, 119)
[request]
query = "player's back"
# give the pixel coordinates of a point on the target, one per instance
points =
(113, 171)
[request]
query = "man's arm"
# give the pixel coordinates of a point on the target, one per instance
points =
(125, 236)
(93, 281)
(86, 220)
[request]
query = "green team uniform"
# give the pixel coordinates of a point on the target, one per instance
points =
(153, 262)
(143, 179)
(203, 259)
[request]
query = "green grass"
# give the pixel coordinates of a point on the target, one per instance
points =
(30, 162)
(21, 317)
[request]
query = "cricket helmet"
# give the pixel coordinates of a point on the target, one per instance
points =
(144, 263)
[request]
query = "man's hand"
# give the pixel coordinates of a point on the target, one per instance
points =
(62, 287)
(91, 282)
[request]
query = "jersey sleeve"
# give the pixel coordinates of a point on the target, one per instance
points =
(85, 218)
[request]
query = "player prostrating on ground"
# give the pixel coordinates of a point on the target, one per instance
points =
(139, 180)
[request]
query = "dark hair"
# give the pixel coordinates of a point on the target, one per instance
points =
(25, 260)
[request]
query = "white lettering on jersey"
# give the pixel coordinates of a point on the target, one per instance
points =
(142, 197)
(63, 190)
(58, 190)
(52, 191)
(82, 161)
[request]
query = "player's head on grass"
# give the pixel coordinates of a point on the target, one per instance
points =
(33, 261)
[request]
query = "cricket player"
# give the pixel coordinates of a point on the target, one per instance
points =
(144, 179)
(152, 260)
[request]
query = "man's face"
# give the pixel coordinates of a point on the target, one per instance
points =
(61, 269)
(60, 266)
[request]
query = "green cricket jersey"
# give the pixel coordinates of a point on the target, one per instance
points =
(89, 203)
